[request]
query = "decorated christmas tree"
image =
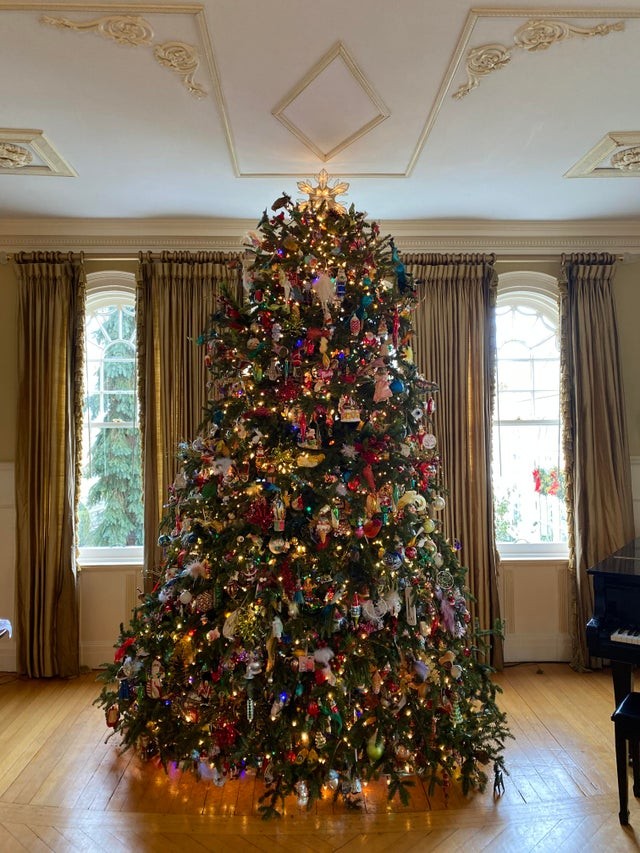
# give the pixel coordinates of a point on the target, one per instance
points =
(310, 620)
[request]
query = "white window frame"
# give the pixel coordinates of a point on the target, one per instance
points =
(104, 288)
(538, 291)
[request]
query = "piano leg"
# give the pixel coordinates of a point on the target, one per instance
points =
(621, 673)
(623, 781)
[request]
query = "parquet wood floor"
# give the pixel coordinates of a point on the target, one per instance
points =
(63, 789)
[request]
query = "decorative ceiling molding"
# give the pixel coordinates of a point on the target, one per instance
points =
(14, 156)
(627, 160)
(29, 152)
(135, 31)
(129, 30)
(462, 49)
(338, 53)
(616, 155)
(117, 237)
(534, 35)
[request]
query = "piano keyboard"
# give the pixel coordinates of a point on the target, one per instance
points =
(630, 636)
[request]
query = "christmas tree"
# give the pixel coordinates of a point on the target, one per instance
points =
(310, 621)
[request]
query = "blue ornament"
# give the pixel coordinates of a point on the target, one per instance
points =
(397, 386)
(392, 559)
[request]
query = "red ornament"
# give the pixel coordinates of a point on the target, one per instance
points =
(367, 473)
(372, 528)
(119, 655)
(261, 514)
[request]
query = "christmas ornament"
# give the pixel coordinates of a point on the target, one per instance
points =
(375, 747)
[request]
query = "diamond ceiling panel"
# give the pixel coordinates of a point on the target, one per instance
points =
(314, 110)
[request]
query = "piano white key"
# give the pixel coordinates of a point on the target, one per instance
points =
(627, 636)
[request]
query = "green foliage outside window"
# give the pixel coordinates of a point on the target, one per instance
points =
(111, 512)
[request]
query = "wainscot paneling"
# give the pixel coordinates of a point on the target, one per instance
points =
(108, 594)
(534, 597)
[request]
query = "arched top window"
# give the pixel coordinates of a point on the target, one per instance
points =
(528, 471)
(110, 508)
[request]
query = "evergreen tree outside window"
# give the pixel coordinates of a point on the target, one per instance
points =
(528, 472)
(110, 511)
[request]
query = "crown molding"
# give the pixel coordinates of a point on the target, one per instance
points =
(129, 236)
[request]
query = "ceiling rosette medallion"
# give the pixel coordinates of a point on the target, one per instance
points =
(616, 155)
(627, 160)
(135, 31)
(29, 152)
(14, 156)
(532, 36)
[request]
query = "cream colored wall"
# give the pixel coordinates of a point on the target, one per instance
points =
(627, 294)
(9, 362)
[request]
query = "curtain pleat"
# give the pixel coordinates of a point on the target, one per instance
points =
(176, 295)
(51, 300)
(455, 347)
(598, 481)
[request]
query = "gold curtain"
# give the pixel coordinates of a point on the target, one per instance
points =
(51, 300)
(455, 347)
(598, 473)
(176, 295)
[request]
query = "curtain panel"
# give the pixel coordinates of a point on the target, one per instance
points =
(597, 462)
(175, 297)
(51, 301)
(455, 347)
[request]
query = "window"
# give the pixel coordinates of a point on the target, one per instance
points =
(528, 474)
(110, 517)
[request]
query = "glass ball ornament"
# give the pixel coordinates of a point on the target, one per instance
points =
(303, 794)
(375, 747)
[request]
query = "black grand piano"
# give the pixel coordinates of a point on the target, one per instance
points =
(613, 632)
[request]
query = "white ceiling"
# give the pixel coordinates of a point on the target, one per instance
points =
(143, 146)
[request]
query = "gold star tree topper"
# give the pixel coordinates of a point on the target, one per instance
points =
(323, 193)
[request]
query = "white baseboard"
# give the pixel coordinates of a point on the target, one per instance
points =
(94, 654)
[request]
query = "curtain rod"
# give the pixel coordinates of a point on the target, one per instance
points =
(6, 257)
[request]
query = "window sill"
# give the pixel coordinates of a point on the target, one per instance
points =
(101, 557)
(529, 553)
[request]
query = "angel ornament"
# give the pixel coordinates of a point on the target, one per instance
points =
(323, 287)
(382, 391)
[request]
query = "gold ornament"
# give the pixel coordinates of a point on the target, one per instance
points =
(323, 193)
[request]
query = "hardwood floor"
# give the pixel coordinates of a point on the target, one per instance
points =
(62, 788)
